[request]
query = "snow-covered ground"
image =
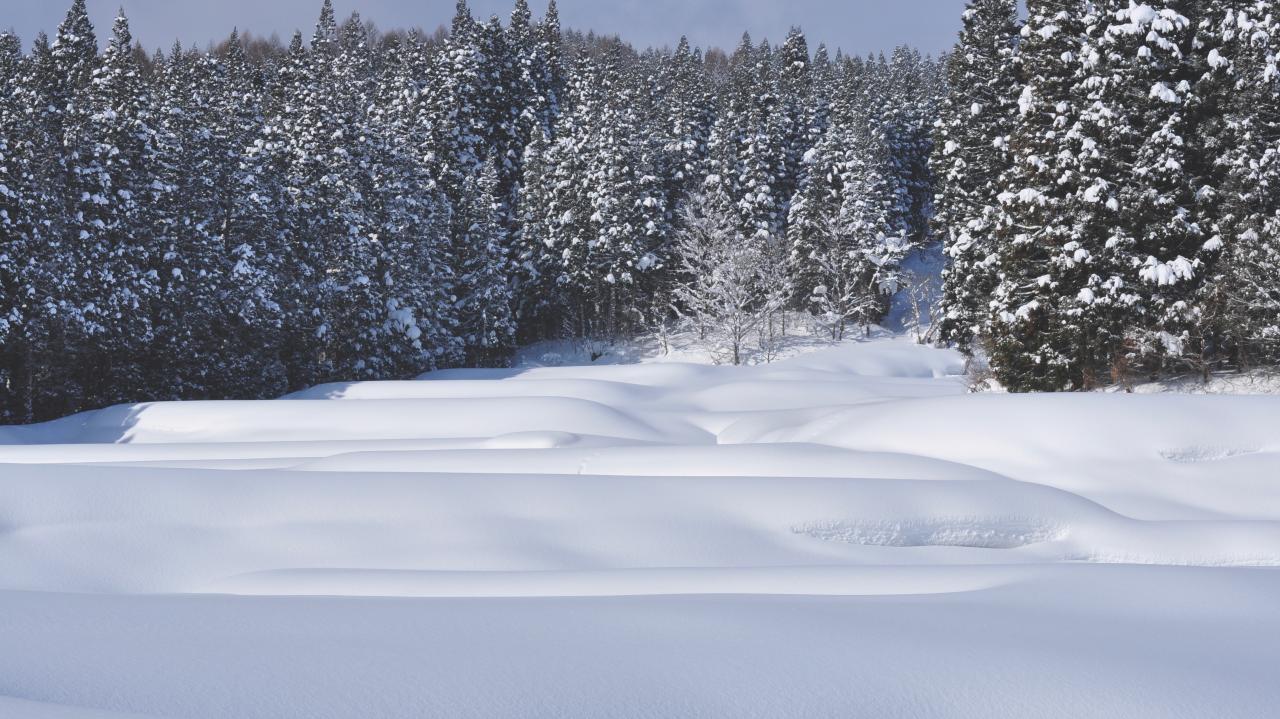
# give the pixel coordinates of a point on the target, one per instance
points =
(843, 533)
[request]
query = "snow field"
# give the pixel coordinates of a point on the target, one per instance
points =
(842, 533)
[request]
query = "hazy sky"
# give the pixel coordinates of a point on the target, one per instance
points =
(856, 25)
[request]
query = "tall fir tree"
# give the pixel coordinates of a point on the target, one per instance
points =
(970, 155)
(18, 203)
(846, 244)
(1034, 344)
(1142, 246)
(117, 263)
(482, 292)
(535, 266)
(1241, 305)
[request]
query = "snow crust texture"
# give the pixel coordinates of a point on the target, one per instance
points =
(844, 533)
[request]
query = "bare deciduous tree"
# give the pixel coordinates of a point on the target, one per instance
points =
(725, 284)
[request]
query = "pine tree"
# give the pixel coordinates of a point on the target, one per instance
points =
(503, 106)
(17, 230)
(845, 241)
(795, 90)
(54, 322)
(1135, 202)
(629, 211)
(74, 53)
(413, 222)
(761, 162)
(533, 100)
(568, 232)
(250, 213)
(210, 225)
(336, 315)
(113, 153)
(482, 292)
(551, 51)
(536, 267)
(689, 114)
(824, 87)
(906, 124)
(1034, 342)
(357, 336)
(1242, 304)
(457, 105)
(606, 212)
(190, 171)
(971, 153)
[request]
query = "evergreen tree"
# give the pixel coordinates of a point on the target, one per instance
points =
(1139, 241)
(51, 382)
(413, 222)
(190, 169)
(795, 90)
(250, 210)
(970, 155)
(761, 161)
(533, 98)
(824, 87)
(1241, 304)
(17, 229)
(74, 53)
(337, 314)
(552, 55)
(1034, 343)
(483, 298)
(536, 267)
(845, 242)
(688, 106)
(113, 154)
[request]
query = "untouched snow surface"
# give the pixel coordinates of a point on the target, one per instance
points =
(845, 533)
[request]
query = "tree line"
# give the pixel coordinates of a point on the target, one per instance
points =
(1108, 189)
(254, 219)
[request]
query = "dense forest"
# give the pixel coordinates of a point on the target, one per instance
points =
(256, 218)
(1108, 189)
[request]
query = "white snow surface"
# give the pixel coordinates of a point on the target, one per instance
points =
(843, 533)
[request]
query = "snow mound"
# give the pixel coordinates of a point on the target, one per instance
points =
(368, 419)
(533, 440)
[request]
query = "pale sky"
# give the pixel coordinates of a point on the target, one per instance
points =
(859, 26)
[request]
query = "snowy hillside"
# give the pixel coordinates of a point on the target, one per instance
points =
(844, 533)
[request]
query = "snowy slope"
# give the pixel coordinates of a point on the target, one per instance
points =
(844, 533)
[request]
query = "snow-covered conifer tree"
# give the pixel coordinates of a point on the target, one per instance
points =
(1241, 304)
(482, 290)
(19, 208)
(845, 241)
(1034, 343)
(117, 263)
(970, 154)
